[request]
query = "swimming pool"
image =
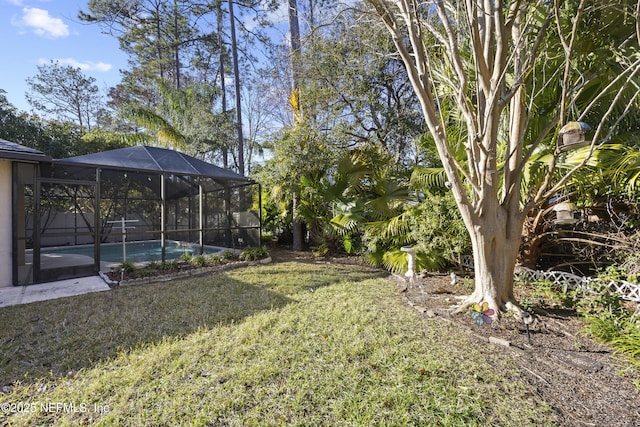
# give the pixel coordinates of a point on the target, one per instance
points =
(142, 251)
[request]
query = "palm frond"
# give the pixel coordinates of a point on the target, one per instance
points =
(422, 177)
(164, 132)
(396, 261)
(397, 226)
(348, 218)
(137, 139)
(391, 195)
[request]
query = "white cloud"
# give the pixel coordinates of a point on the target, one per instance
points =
(42, 24)
(276, 17)
(84, 66)
(280, 15)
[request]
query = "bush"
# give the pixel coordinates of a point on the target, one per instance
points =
(608, 320)
(254, 253)
(629, 342)
(169, 265)
(433, 227)
(214, 259)
(128, 266)
(437, 228)
(199, 261)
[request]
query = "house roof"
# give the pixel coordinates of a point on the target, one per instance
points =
(13, 151)
(154, 159)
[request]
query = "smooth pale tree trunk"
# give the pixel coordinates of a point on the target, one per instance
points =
(487, 195)
(495, 238)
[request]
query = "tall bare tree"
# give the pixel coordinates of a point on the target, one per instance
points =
(65, 93)
(238, 92)
(223, 89)
(511, 73)
(158, 35)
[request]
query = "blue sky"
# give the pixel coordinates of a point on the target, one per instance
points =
(33, 32)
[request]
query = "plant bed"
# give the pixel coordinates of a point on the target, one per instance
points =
(587, 382)
(129, 273)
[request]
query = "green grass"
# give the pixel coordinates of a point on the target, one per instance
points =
(282, 344)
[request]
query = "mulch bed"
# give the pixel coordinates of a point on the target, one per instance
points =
(583, 380)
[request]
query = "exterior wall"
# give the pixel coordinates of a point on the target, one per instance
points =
(64, 222)
(6, 235)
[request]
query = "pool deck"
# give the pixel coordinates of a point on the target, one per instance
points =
(15, 295)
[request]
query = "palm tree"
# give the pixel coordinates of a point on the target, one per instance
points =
(183, 120)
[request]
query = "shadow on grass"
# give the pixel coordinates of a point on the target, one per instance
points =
(49, 339)
(309, 275)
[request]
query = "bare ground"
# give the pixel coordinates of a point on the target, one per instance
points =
(581, 379)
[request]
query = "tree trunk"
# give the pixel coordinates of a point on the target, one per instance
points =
(158, 42)
(176, 43)
(294, 28)
(296, 225)
(236, 75)
(223, 88)
(495, 238)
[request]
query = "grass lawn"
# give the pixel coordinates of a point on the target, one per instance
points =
(280, 344)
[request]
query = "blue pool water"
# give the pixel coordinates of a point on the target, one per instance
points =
(144, 251)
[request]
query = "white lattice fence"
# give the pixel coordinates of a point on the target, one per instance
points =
(627, 290)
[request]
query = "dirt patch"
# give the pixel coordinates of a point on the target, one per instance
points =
(581, 379)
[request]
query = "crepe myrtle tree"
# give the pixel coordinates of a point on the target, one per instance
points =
(496, 80)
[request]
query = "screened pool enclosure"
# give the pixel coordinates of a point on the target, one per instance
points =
(70, 210)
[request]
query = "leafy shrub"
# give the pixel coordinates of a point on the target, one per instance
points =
(128, 266)
(433, 227)
(169, 265)
(228, 254)
(254, 253)
(213, 259)
(145, 272)
(607, 319)
(437, 228)
(628, 342)
(199, 261)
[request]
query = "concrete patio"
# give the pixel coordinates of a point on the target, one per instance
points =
(15, 295)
